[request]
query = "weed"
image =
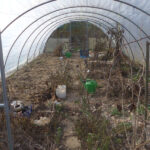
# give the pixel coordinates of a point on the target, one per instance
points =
(76, 101)
(91, 140)
(85, 108)
(125, 69)
(118, 141)
(59, 134)
(115, 112)
(135, 77)
(120, 128)
(59, 107)
(100, 86)
(141, 110)
(92, 128)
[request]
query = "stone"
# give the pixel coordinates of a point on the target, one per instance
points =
(72, 143)
(42, 121)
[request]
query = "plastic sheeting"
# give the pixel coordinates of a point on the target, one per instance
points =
(25, 38)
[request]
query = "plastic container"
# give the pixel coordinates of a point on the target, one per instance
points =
(61, 91)
(26, 111)
(60, 58)
(17, 106)
(90, 86)
(84, 53)
(68, 54)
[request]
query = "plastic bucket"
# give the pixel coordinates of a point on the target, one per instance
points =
(90, 86)
(68, 54)
(84, 53)
(61, 91)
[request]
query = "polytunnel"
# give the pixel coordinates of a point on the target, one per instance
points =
(26, 27)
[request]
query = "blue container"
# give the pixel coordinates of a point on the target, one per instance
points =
(84, 53)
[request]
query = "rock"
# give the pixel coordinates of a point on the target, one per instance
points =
(42, 121)
(72, 143)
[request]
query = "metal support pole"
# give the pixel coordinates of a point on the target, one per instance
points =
(57, 35)
(147, 78)
(6, 107)
(87, 36)
(70, 38)
(147, 126)
(2, 105)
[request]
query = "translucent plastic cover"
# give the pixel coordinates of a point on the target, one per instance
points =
(26, 25)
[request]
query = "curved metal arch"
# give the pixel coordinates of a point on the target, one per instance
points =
(133, 6)
(94, 22)
(112, 26)
(32, 33)
(99, 8)
(81, 7)
(98, 24)
(26, 13)
(122, 17)
(105, 27)
(33, 40)
(46, 32)
(128, 31)
(99, 27)
(107, 22)
(37, 35)
(36, 21)
(96, 14)
(40, 39)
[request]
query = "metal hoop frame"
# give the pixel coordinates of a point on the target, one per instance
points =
(96, 14)
(10, 143)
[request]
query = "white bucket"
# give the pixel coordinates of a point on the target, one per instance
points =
(61, 91)
(60, 58)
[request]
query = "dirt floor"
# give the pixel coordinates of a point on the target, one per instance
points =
(35, 85)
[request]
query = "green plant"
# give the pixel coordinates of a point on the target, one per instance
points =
(59, 107)
(125, 69)
(91, 137)
(59, 134)
(122, 127)
(118, 140)
(92, 130)
(115, 112)
(141, 110)
(135, 77)
(85, 108)
(76, 101)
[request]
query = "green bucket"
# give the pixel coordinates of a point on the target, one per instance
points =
(90, 86)
(68, 54)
